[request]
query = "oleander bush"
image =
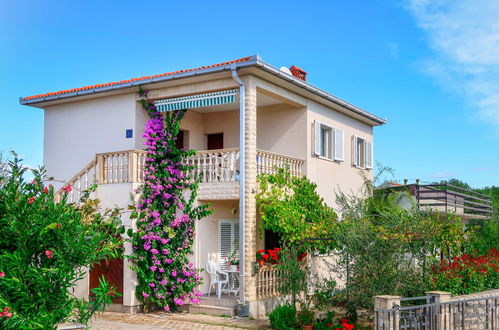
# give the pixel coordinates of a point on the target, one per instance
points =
(45, 248)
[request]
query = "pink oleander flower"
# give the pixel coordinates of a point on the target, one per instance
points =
(166, 308)
(31, 200)
(195, 301)
(2, 274)
(153, 268)
(45, 190)
(6, 312)
(48, 254)
(152, 285)
(145, 295)
(67, 189)
(154, 251)
(174, 273)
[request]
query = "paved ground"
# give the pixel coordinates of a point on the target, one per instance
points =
(180, 321)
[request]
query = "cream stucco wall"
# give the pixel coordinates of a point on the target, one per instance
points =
(194, 138)
(282, 129)
(226, 122)
(332, 176)
(75, 132)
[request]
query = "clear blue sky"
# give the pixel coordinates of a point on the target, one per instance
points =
(431, 70)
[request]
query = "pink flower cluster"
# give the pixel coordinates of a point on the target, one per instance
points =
(6, 312)
(169, 279)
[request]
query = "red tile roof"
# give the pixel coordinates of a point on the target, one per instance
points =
(244, 59)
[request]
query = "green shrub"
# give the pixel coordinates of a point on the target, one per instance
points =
(45, 247)
(306, 317)
(283, 317)
(484, 235)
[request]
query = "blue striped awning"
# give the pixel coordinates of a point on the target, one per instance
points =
(197, 101)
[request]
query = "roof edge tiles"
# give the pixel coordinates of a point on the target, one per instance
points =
(124, 83)
(248, 61)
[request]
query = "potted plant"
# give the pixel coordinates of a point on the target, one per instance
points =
(306, 316)
(306, 319)
(274, 255)
(233, 262)
(261, 257)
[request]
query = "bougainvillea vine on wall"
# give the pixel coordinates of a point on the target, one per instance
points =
(165, 215)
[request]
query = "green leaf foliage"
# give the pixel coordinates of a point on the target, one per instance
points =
(45, 247)
(291, 207)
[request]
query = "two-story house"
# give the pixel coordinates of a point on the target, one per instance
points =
(244, 117)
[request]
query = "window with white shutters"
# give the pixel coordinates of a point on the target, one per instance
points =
(328, 142)
(362, 153)
(228, 240)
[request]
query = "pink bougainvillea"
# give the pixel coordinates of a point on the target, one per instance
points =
(165, 217)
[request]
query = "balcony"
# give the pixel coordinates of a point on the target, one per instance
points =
(446, 198)
(218, 170)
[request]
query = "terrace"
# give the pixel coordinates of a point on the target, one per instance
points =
(446, 198)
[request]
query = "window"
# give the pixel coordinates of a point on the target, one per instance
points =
(328, 142)
(326, 133)
(215, 141)
(362, 153)
(179, 140)
(228, 240)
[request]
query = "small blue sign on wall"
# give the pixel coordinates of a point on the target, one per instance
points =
(129, 133)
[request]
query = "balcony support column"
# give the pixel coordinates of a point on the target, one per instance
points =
(247, 202)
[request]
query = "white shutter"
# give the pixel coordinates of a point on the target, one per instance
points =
(225, 241)
(355, 160)
(369, 154)
(235, 235)
(317, 138)
(339, 145)
(228, 240)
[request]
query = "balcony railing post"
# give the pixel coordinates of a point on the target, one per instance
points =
(100, 169)
(132, 166)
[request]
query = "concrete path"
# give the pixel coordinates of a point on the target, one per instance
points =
(178, 321)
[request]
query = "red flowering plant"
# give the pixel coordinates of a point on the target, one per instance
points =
(329, 323)
(468, 273)
(270, 256)
(45, 248)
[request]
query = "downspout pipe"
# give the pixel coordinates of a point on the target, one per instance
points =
(242, 181)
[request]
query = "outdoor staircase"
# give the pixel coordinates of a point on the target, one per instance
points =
(215, 306)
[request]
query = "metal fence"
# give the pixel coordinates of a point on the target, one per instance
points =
(480, 313)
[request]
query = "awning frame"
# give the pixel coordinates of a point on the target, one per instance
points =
(197, 101)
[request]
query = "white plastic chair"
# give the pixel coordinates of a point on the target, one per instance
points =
(216, 278)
